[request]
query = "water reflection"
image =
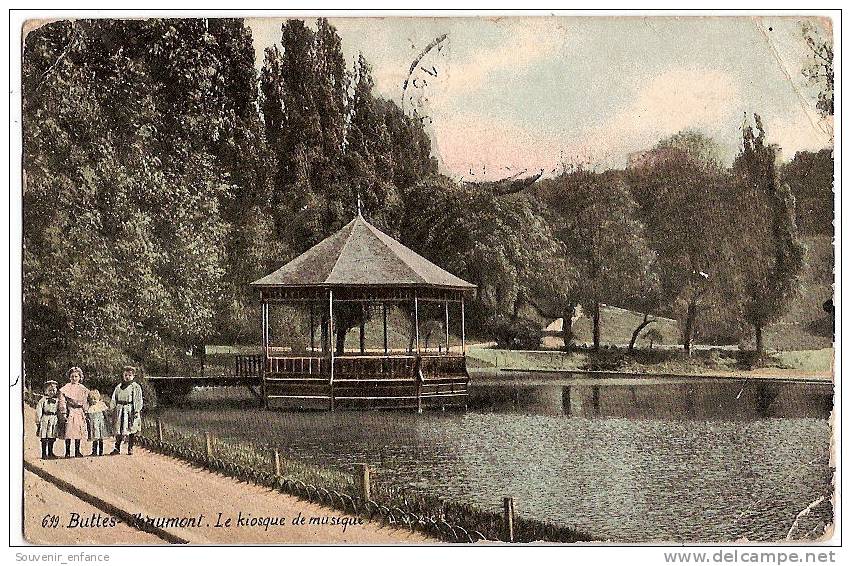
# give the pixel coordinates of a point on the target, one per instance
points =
(703, 400)
(623, 460)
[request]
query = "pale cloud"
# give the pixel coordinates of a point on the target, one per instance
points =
(519, 48)
(663, 105)
(798, 131)
(482, 147)
(526, 93)
(678, 99)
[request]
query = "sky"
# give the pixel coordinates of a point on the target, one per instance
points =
(500, 96)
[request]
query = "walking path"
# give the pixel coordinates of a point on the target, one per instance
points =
(199, 502)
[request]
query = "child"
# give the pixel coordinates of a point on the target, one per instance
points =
(73, 402)
(98, 429)
(46, 419)
(127, 404)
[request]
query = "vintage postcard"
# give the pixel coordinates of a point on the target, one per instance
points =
(428, 280)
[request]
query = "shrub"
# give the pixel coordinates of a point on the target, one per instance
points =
(518, 334)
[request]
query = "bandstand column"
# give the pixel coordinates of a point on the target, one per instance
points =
(446, 323)
(264, 340)
(417, 322)
(331, 343)
(384, 316)
(362, 330)
(463, 329)
(312, 331)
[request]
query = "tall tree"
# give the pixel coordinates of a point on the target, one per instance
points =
(771, 255)
(368, 154)
(601, 230)
(331, 140)
(684, 199)
(505, 245)
(810, 177)
(410, 146)
(123, 196)
(290, 101)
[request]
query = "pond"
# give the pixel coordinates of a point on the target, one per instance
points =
(625, 460)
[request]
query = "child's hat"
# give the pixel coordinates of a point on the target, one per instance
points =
(50, 382)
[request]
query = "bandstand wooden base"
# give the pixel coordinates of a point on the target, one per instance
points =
(366, 382)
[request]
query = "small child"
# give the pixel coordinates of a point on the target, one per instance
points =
(98, 429)
(47, 420)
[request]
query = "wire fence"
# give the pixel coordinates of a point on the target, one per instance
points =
(349, 492)
(403, 507)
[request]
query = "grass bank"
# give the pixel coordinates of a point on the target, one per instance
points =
(716, 362)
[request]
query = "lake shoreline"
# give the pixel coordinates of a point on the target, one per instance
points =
(502, 374)
(806, 366)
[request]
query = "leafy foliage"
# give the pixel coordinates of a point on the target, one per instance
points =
(810, 178)
(819, 68)
(127, 125)
(599, 225)
(771, 255)
(520, 333)
(505, 245)
(685, 201)
(333, 144)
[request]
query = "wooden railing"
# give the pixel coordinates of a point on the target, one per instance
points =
(310, 365)
(366, 367)
(249, 366)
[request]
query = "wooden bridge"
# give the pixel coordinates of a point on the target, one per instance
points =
(247, 372)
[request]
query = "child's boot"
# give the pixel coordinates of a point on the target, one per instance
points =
(67, 448)
(117, 449)
(130, 440)
(44, 449)
(77, 452)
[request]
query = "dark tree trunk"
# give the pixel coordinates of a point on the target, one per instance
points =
(638, 330)
(689, 330)
(759, 343)
(362, 336)
(341, 339)
(596, 326)
(567, 326)
(324, 337)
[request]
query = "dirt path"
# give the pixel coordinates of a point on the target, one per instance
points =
(161, 487)
(43, 499)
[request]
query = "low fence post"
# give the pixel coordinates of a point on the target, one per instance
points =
(208, 445)
(363, 480)
(159, 430)
(508, 515)
(277, 462)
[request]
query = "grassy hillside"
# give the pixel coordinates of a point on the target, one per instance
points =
(806, 326)
(617, 326)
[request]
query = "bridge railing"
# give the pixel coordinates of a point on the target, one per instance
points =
(249, 366)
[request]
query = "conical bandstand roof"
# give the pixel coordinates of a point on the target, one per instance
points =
(361, 255)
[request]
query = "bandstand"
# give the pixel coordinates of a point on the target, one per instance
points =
(361, 265)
